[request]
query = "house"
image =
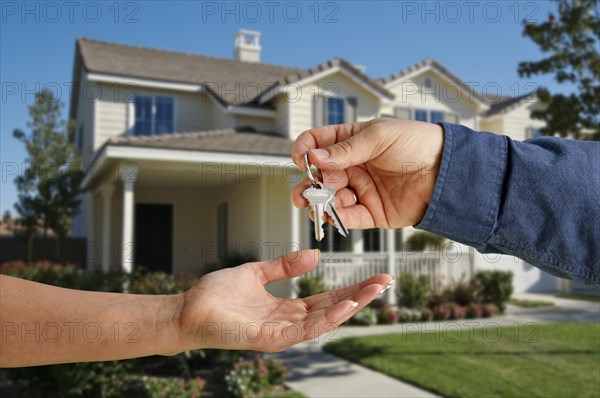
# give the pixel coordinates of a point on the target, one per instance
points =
(188, 156)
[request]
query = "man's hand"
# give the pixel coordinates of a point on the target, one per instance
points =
(231, 308)
(390, 165)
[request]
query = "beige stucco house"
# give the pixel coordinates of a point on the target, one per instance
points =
(188, 156)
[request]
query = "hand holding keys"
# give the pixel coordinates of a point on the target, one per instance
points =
(321, 199)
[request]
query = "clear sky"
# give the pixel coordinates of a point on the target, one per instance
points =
(480, 41)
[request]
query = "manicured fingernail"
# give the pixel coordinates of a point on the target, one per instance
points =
(383, 290)
(321, 153)
(391, 282)
(318, 254)
(354, 304)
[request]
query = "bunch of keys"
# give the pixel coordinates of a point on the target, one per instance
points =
(321, 200)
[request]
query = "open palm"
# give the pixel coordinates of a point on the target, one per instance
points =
(232, 309)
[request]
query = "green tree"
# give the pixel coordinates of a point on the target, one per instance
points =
(49, 187)
(571, 43)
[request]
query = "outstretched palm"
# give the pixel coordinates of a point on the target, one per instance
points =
(232, 309)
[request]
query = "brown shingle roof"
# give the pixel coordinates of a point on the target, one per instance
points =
(507, 104)
(219, 75)
(223, 140)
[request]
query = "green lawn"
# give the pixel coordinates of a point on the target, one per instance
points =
(530, 303)
(551, 360)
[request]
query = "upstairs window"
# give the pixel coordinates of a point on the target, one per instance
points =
(334, 111)
(436, 116)
(421, 115)
(153, 115)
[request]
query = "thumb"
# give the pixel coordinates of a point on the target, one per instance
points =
(355, 150)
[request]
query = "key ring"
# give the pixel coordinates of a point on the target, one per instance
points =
(314, 182)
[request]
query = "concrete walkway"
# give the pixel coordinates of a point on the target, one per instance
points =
(316, 373)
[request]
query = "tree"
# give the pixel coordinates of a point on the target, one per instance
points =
(49, 187)
(571, 42)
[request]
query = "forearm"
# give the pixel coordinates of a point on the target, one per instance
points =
(536, 200)
(43, 324)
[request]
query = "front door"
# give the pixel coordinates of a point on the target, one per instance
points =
(154, 236)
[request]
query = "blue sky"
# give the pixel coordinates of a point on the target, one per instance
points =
(480, 41)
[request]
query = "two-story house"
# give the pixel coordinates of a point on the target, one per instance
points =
(188, 156)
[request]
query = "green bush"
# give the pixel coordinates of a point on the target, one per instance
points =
(365, 317)
(311, 285)
(463, 293)
(252, 377)
(165, 387)
(412, 290)
(423, 240)
(495, 287)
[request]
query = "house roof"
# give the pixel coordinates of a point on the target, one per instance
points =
(243, 141)
(506, 105)
(219, 75)
(440, 68)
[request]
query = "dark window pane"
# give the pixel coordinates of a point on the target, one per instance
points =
(421, 115)
(437, 117)
(143, 115)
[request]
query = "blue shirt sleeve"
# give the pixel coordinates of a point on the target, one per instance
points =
(537, 199)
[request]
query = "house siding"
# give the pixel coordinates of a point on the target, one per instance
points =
(442, 97)
(518, 121)
(493, 126)
(336, 85)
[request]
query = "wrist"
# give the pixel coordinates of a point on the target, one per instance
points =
(168, 324)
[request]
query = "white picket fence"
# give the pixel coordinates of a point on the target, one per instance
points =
(343, 269)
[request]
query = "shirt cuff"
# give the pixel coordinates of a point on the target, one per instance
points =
(467, 194)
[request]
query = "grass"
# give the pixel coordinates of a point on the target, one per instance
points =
(551, 360)
(530, 303)
(583, 297)
(285, 394)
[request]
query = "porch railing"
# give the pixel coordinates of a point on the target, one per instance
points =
(343, 269)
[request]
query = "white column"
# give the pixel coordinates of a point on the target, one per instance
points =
(106, 191)
(391, 258)
(357, 241)
(127, 243)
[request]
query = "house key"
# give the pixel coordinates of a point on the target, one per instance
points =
(321, 200)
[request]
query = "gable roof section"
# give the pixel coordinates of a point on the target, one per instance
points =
(240, 141)
(433, 64)
(218, 75)
(507, 105)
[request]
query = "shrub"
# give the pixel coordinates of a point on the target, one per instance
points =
(489, 310)
(463, 292)
(311, 285)
(412, 290)
(365, 317)
(474, 311)
(406, 315)
(457, 311)
(386, 314)
(165, 387)
(426, 314)
(441, 312)
(437, 298)
(495, 287)
(250, 377)
(422, 240)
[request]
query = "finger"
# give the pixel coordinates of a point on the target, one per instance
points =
(326, 299)
(284, 267)
(356, 217)
(321, 137)
(320, 321)
(297, 198)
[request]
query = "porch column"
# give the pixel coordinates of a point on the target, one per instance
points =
(129, 175)
(295, 236)
(107, 192)
(391, 260)
(357, 241)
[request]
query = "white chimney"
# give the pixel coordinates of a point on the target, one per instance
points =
(247, 46)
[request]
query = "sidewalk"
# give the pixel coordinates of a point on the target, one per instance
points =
(317, 374)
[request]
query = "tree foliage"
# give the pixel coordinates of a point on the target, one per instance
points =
(571, 43)
(49, 187)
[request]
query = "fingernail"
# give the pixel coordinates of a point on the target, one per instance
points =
(318, 253)
(391, 282)
(383, 290)
(354, 304)
(321, 153)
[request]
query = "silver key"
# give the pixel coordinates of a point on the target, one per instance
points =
(318, 200)
(331, 210)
